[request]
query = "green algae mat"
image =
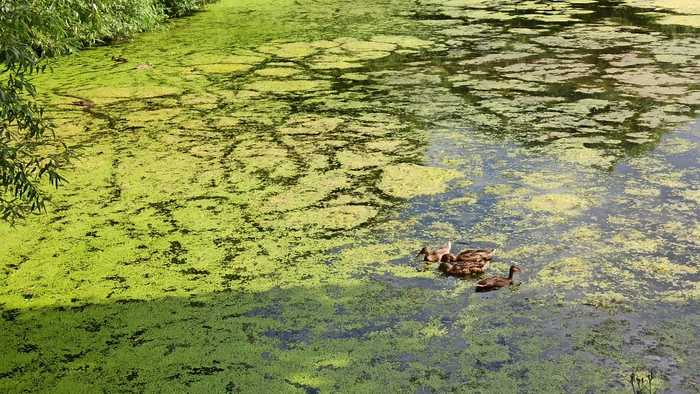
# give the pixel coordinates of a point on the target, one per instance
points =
(253, 184)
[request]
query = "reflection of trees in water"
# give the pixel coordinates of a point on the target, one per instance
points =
(606, 80)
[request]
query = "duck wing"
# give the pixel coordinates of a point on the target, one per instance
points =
(492, 283)
(480, 266)
(457, 268)
(448, 258)
(433, 257)
(475, 254)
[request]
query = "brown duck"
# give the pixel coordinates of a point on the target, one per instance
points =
(435, 255)
(497, 282)
(475, 254)
(463, 268)
(466, 262)
(84, 104)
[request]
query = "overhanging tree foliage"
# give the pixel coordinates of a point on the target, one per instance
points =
(29, 151)
(31, 31)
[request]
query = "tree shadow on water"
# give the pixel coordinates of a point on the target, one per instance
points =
(363, 337)
(281, 340)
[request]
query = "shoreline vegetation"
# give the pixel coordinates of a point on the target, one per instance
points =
(31, 32)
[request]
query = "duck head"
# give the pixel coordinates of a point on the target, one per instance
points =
(423, 251)
(513, 269)
(448, 258)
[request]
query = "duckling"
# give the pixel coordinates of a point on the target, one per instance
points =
(475, 254)
(462, 268)
(84, 104)
(119, 59)
(437, 254)
(497, 282)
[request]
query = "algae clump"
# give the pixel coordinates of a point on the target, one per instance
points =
(411, 180)
(558, 203)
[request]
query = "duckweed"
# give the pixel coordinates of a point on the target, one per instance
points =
(409, 180)
(246, 206)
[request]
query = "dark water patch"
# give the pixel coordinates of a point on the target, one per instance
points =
(70, 357)
(194, 271)
(27, 348)
(15, 266)
(92, 325)
(307, 389)
(289, 339)
(116, 278)
(211, 370)
(420, 283)
(176, 252)
(360, 332)
(273, 310)
(10, 314)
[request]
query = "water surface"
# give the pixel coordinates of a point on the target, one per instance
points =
(254, 183)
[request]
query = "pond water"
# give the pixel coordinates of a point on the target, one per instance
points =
(253, 185)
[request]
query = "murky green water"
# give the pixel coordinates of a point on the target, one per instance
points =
(255, 181)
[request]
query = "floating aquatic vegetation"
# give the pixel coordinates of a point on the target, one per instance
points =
(310, 124)
(280, 72)
(685, 12)
(223, 68)
(566, 273)
(106, 95)
(410, 180)
(358, 160)
(290, 50)
(355, 76)
(608, 300)
(299, 85)
(253, 171)
(308, 191)
(340, 217)
(558, 203)
(407, 42)
(358, 46)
